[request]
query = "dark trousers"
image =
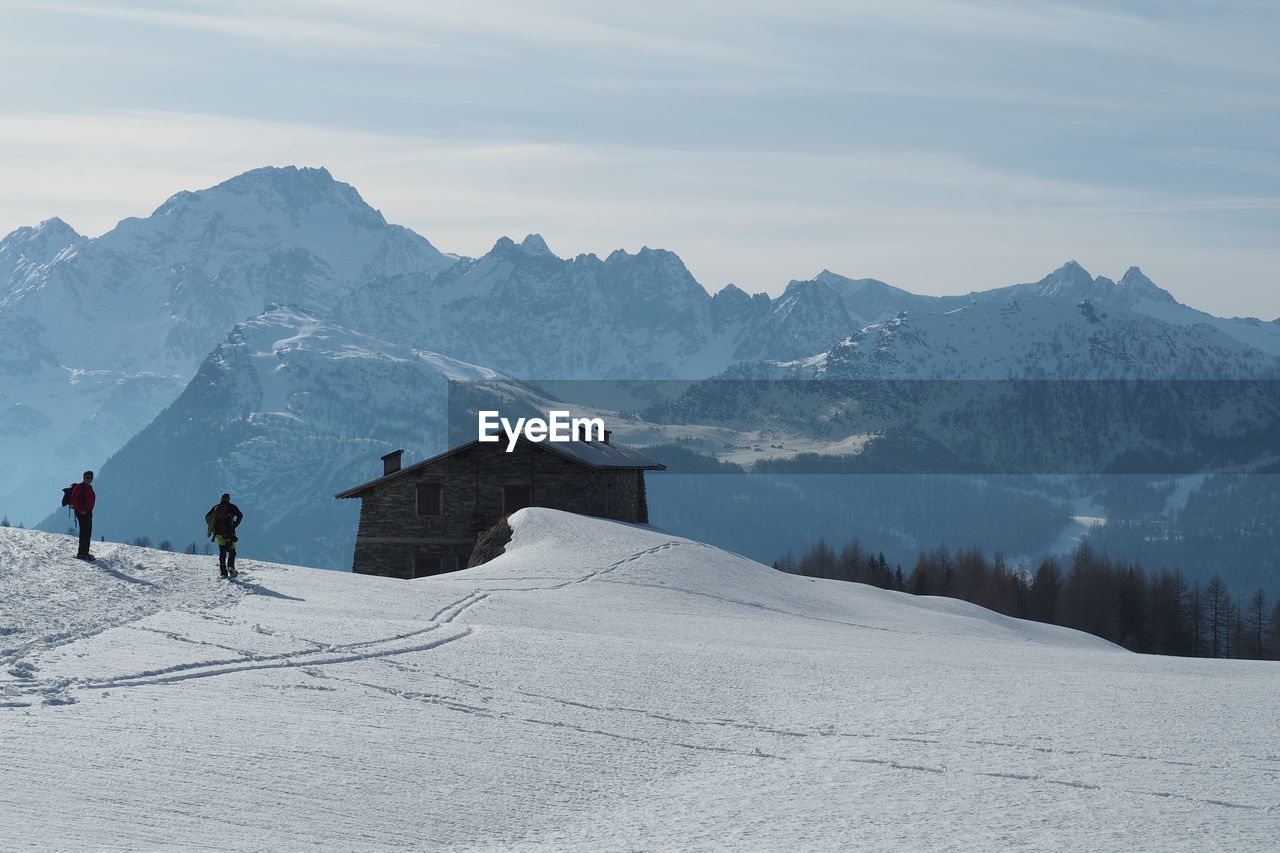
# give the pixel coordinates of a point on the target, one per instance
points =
(85, 521)
(226, 555)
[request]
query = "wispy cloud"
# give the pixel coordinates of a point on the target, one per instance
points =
(760, 140)
(757, 220)
(257, 22)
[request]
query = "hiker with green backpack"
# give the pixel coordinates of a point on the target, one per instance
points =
(222, 521)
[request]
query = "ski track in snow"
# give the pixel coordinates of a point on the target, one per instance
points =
(399, 644)
(52, 620)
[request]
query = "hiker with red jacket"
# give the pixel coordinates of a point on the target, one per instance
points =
(81, 502)
(222, 522)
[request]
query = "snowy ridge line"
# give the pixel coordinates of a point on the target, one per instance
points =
(674, 543)
(329, 654)
(590, 576)
(756, 606)
(620, 563)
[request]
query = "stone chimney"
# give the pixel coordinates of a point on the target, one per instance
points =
(607, 433)
(391, 462)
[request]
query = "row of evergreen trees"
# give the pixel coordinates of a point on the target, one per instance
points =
(1158, 613)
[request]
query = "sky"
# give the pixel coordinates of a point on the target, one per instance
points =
(939, 146)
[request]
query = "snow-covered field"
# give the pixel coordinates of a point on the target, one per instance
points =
(599, 687)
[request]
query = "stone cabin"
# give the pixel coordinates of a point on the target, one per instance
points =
(425, 519)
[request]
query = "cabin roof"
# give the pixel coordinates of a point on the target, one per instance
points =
(591, 454)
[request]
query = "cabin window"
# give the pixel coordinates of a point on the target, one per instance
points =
(516, 497)
(429, 499)
(425, 565)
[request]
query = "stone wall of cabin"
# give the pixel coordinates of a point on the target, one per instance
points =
(391, 532)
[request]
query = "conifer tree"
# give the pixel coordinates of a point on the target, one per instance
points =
(1218, 616)
(1275, 631)
(1042, 600)
(1256, 648)
(919, 584)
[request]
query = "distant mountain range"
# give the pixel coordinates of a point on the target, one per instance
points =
(272, 335)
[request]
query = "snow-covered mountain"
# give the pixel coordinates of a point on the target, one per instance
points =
(828, 307)
(600, 686)
(156, 294)
(527, 312)
(532, 314)
(1075, 382)
(1069, 325)
(283, 414)
(98, 335)
(1136, 293)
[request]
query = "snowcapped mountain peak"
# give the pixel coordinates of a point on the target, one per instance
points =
(1069, 280)
(55, 229)
(176, 204)
(49, 227)
(502, 245)
(25, 252)
(645, 252)
(1073, 284)
(656, 271)
(535, 245)
(849, 286)
(1139, 286)
(811, 289)
(1134, 275)
(301, 186)
(531, 246)
(297, 193)
(39, 244)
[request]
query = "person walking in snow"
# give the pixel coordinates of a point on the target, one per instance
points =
(81, 503)
(222, 521)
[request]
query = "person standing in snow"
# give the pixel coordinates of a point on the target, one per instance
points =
(222, 521)
(81, 503)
